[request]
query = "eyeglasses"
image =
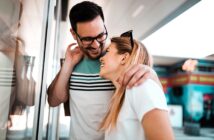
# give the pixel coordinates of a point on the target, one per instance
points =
(128, 34)
(86, 41)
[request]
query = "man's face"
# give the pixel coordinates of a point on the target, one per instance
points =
(91, 37)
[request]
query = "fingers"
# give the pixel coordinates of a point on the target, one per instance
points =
(70, 46)
(73, 49)
(76, 49)
(123, 78)
(139, 74)
(138, 78)
(141, 79)
(136, 75)
(142, 75)
(131, 75)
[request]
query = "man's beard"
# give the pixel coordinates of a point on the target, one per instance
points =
(89, 48)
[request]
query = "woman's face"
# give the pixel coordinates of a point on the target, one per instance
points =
(111, 62)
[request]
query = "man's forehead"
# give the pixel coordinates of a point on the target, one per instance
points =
(91, 28)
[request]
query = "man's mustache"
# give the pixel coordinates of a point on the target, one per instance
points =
(91, 48)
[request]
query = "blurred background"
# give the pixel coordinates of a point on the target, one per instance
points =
(35, 33)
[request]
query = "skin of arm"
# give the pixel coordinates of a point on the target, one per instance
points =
(136, 75)
(58, 89)
(157, 126)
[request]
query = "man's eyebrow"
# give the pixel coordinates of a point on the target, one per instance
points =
(92, 36)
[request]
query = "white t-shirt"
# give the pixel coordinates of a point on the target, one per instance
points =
(7, 84)
(138, 101)
(89, 99)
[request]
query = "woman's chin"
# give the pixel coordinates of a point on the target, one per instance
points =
(103, 75)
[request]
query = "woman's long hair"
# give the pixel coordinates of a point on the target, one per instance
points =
(138, 55)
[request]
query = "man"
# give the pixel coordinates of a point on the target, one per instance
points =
(88, 94)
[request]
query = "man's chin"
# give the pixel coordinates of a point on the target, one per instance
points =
(94, 56)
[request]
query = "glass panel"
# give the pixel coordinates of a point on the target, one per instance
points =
(20, 67)
(56, 125)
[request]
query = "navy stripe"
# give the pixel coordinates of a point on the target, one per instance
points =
(91, 86)
(77, 75)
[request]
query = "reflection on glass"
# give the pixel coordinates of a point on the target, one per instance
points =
(9, 47)
(18, 54)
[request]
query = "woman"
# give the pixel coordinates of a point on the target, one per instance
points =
(140, 112)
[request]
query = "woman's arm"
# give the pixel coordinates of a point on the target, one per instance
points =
(157, 126)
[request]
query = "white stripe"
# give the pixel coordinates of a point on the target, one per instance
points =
(7, 84)
(7, 80)
(99, 84)
(7, 68)
(6, 76)
(83, 74)
(7, 72)
(102, 80)
(85, 77)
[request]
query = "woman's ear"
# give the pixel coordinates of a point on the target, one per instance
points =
(73, 34)
(125, 58)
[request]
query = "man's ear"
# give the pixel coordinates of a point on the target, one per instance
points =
(73, 34)
(125, 58)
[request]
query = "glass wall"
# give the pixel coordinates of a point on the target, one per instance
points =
(55, 125)
(22, 51)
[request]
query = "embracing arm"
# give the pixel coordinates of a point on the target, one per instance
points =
(138, 74)
(157, 126)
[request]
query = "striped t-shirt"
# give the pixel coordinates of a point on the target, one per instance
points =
(89, 98)
(7, 87)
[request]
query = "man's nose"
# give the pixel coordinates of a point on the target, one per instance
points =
(95, 44)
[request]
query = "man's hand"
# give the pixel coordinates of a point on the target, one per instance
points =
(58, 89)
(73, 55)
(136, 75)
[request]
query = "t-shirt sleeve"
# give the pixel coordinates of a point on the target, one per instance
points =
(146, 97)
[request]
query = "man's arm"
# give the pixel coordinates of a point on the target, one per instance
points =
(137, 74)
(58, 89)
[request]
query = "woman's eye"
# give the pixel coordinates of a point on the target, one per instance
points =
(104, 52)
(107, 50)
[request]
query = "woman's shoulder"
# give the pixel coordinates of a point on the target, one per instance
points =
(148, 91)
(147, 86)
(147, 96)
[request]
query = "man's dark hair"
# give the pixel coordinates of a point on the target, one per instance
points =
(84, 11)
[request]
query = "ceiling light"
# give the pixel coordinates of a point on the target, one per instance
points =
(137, 11)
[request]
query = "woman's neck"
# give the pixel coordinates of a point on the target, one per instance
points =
(115, 78)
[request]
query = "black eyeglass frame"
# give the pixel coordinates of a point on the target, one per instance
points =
(129, 34)
(93, 38)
